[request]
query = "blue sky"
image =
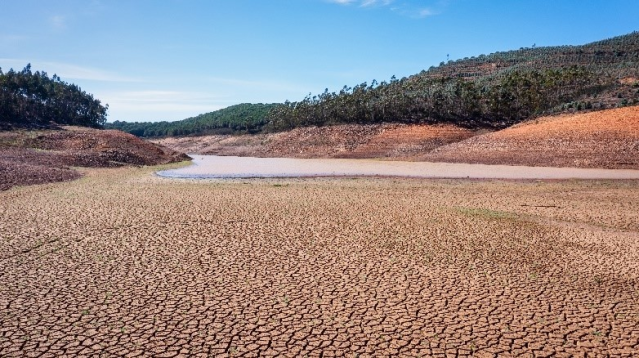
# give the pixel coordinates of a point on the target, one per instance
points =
(154, 60)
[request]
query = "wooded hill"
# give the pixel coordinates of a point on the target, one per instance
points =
(495, 90)
(241, 118)
(29, 99)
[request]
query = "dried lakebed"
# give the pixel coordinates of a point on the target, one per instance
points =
(124, 263)
(211, 166)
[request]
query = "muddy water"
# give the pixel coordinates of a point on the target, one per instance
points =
(210, 166)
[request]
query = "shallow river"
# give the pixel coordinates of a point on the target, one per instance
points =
(211, 166)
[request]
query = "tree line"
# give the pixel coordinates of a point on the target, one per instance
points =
(516, 96)
(34, 99)
(237, 119)
(495, 90)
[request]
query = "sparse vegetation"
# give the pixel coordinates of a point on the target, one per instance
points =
(495, 90)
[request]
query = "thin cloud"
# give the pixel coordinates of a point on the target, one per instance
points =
(162, 99)
(425, 13)
(415, 13)
(371, 3)
(363, 3)
(342, 2)
(262, 85)
(12, 38)
(121, 105)
(58, 22)
(404, 8)
(157, 105)
(66, 71)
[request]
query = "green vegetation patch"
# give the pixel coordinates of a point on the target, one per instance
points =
(487, 91)
(495, 90)
(34, 99)
(238, 119)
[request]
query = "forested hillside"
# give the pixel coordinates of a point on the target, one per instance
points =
(30, 99)
(241, 118)
(495, 90)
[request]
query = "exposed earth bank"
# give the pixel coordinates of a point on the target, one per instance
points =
(604, 139)
(44, 156)
(395, 141)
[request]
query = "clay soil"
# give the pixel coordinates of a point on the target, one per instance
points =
(395, 141)
(604, 139)
(44, 156)
(123, 263)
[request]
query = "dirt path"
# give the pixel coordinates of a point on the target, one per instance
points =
(205, 166)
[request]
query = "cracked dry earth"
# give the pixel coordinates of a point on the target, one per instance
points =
(120, 263)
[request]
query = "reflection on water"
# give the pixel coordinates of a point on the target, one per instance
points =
(210, 166)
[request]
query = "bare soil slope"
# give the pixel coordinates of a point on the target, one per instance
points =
(603, 139)
(36, 157)
(397, 141)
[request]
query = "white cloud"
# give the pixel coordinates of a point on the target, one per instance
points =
(160, 105)
(402, 8)
(425, 13)
(415, 13)
(265, 85)
(367, 3)
(58, 22)
(12, 38)
(342, 2)
(363, 3)
(167, 102)
(66, 71)
(162, 101)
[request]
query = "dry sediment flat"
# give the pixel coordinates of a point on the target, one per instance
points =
(124, 263)
(208, 166)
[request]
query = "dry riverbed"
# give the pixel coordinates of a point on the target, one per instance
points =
(211, 166)
(121, 262)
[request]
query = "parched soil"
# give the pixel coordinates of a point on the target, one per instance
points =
(603, 139)
(397, 141)
(44, 156)
(25, 167)
(123, 263)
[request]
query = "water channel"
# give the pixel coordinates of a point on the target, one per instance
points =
(211, 166)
